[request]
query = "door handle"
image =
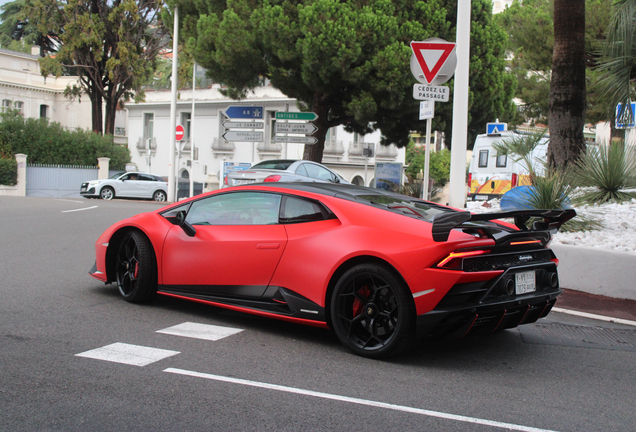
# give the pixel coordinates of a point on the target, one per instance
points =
(268, 246)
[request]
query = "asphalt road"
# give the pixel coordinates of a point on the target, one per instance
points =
(564, 373)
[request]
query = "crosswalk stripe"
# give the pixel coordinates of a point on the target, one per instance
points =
(200, 331)
(135, 355)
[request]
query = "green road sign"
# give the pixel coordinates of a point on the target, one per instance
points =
(284, 115)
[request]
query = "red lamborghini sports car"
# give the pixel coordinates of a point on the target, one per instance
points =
(381, 269)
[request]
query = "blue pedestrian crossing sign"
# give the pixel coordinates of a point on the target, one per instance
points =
(496, 128)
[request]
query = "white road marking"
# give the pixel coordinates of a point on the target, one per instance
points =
(200, 331)
(76, 202)
(85, 208)
(366, 402)
(128, 354)
(596, 317)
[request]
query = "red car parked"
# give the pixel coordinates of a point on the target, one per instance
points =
(381, 269)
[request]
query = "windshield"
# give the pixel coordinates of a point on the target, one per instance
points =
(273, 164)
(407, 206)
(114, 176)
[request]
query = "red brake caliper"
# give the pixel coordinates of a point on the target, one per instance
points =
(357, 304)
(136, 269)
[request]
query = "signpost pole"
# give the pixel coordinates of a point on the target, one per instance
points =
(457, 193)
(194, 72)
(427, 158)
(173, 108)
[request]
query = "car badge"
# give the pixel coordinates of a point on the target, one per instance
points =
(525, 257)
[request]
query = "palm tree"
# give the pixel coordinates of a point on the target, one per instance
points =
(619, 56)
(567, 88)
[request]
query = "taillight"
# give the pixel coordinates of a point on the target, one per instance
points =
(225, 180)
(513, 182)
(454, 259)
(272, 178)
(470, 179)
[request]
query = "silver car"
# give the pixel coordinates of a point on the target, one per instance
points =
(283, 170)
(127, 185)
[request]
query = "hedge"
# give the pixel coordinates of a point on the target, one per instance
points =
(49, 143)
(8, 172)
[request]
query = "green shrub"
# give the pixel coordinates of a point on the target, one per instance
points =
(49, 143)
(439, 164)
(608, 171)
(8, 172)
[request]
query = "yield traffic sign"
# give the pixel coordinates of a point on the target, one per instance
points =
(433, 57)
(180, 132)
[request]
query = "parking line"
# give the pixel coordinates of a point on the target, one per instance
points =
(85, 208)
(594, 316)
(366, 402)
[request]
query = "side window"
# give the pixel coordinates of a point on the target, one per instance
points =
(317, 172)
(302, 170)
(483, 158)
(238, 208)
(146, 177)
(296, 210)
(502, 160)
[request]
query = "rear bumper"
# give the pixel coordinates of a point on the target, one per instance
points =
(485, 317)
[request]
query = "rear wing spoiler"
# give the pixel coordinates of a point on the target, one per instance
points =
(443, 223)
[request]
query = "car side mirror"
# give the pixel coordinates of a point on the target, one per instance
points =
(185, 226)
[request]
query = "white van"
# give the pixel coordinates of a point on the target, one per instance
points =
(491, 175)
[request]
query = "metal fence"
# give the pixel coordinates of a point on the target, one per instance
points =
(61, 181)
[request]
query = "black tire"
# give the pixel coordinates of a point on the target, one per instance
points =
(107, 193)
(159, 196)
(372, 311)
(136, 268)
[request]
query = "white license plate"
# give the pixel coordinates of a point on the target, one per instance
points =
(241, 182)
(83, 189)
(525, 282)
(481, 197)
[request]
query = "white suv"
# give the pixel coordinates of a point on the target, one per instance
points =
(127, 185)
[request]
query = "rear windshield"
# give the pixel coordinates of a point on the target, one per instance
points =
(406, 206)
(276, 165)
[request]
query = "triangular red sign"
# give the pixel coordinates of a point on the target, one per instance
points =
(438, 54)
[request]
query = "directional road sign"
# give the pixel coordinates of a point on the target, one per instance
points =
(243, 125)
(496, 128)
(296, 128)
(243, 136)
(284, 115)
(296, 139)
(244, 112)
(179, 133)
(433, 93)
(433, 61)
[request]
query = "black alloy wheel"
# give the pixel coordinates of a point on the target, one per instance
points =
(372, 311)
(136, 268)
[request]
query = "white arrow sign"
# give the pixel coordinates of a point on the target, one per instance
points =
(243, 136)
(296, 139)
(298, 128)
(243, 125)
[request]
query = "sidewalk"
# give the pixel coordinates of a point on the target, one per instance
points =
(597, 304)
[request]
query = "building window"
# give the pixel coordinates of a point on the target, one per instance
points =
(149, 119)
(19, 105)
(6, 105)
(185, 122)
(44, 111)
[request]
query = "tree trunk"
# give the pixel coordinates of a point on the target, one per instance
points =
(96, 107)
(567, 89)
(111, 112)
(314, 152)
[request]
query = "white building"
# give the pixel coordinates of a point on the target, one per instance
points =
(148, 131)
(22, 87)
